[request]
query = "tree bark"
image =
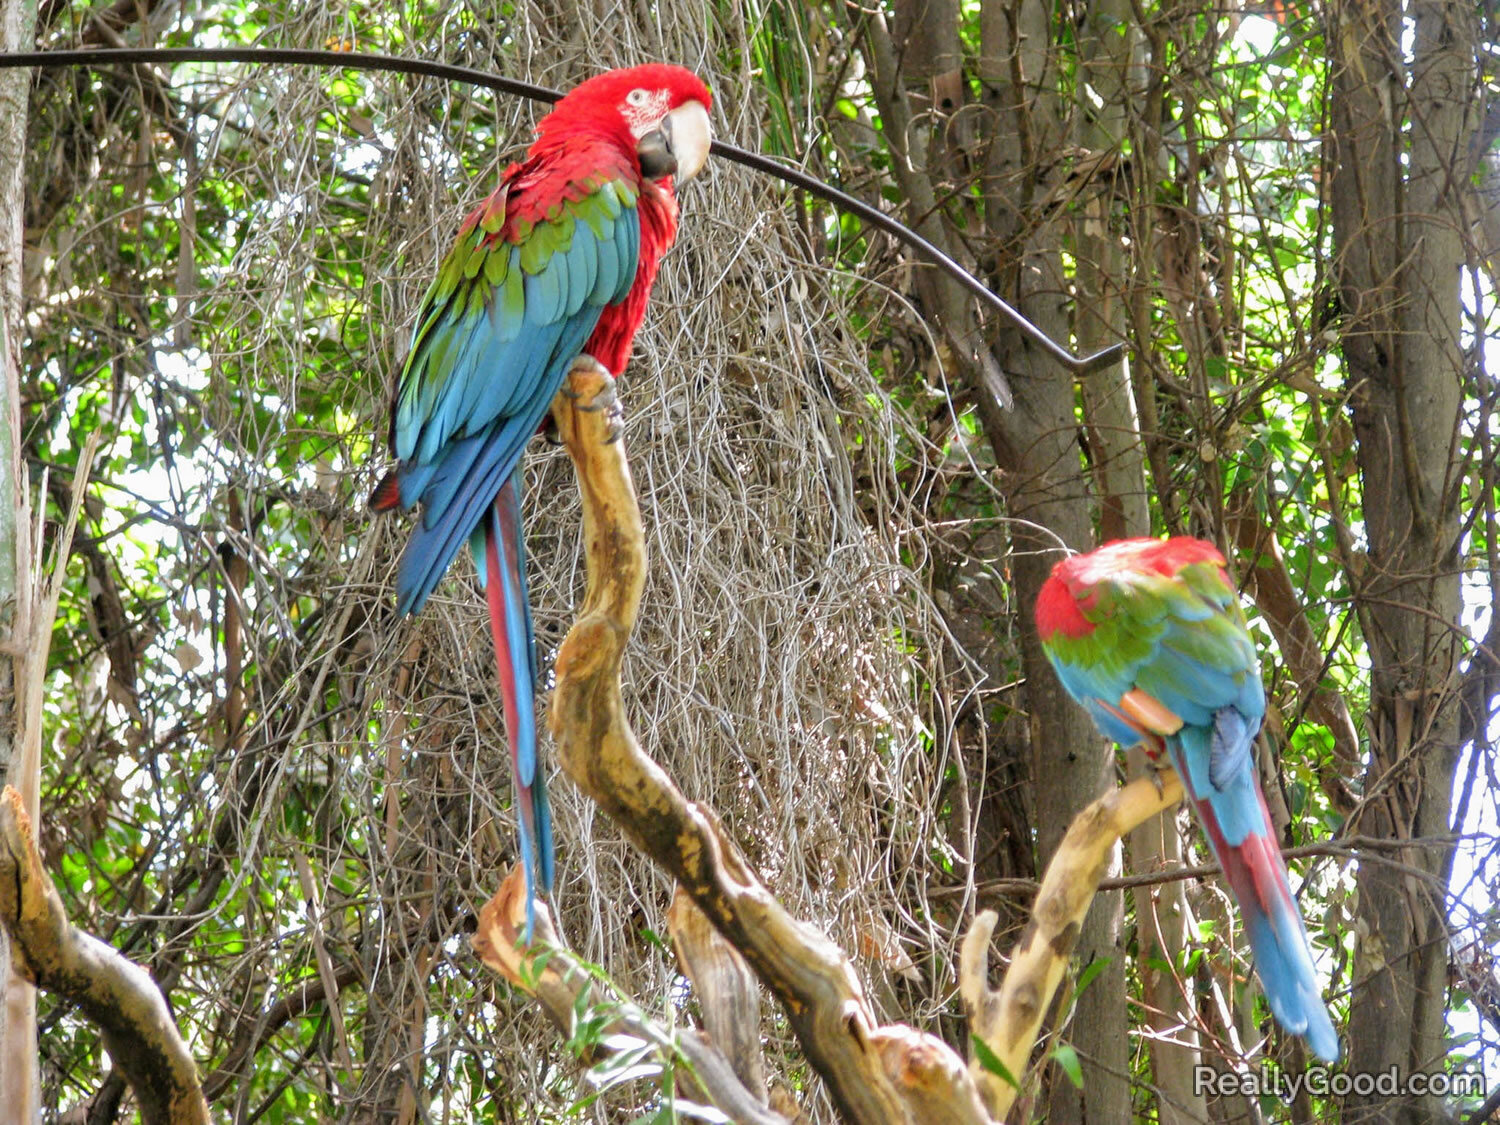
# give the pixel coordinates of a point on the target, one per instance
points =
(19, 1080)
(563, 986)
(1115, 77)
(1400, 250)
(1036, 444)
(115, 993)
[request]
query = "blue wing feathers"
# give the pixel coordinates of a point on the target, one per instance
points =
(477, 350)
(434, 542)
(583, 273)
(608, 261)
(630, 254)
(1235, 801)
(456, 487)
(1230, 748)
(560, 280)
(1112, 725)
(1191, 690)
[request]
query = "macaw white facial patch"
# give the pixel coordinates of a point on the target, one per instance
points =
(644, 109)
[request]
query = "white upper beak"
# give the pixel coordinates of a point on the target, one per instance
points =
(689, 134)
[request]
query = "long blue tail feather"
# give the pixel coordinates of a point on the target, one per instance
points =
(515, 657)
(1220, 781)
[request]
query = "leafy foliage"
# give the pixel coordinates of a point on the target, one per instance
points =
(254, 768)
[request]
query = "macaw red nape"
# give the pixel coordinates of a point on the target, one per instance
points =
(556, 263)
(1148, 635)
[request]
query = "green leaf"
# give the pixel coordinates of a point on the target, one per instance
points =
(991, 1061)
(1090, 971)
(1067, 1058)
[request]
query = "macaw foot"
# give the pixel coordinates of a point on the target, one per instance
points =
(1157, 762)
(608, 400)
(595, 392)
(1157, 769)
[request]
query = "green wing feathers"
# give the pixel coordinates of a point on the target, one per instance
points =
(524, 269)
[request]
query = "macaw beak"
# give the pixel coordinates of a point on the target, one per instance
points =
(678, 146)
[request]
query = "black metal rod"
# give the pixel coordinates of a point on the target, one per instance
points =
(878, 218)
(358, 60)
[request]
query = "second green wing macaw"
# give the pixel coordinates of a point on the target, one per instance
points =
(556, 263)
(1148, 635)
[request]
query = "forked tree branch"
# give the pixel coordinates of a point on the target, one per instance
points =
(1008, 1019)
(728, 993)
(114, 992)
(874, 1073)
(554, 976)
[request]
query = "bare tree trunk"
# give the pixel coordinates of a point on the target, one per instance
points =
(1036, 446)
(1115, 80)
(1400, 252)
(19, 1082)
(1036, 443)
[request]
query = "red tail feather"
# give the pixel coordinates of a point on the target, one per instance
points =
(387, 494)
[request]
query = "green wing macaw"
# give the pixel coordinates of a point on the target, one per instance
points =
(1148, 636)
(558, 262)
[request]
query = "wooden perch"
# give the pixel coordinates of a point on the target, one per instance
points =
(874, 1074)
(115, 993)
(552, 974)
(1007, 1020)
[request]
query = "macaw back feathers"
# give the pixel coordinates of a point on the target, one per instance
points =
(480, 343)
(1158, 616)
(1148, 636)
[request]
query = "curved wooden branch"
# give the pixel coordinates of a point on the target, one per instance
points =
(728, 993)
(552, 974)
(874, 1073)
(115, 993)
(1008, 1019)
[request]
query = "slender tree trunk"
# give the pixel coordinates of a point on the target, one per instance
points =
(1036, 446)
(1400, 252)
(19, 1083)
(1036, 443)
(1115, 80)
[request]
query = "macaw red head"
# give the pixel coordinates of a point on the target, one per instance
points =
(1066, 595)
(659, 110)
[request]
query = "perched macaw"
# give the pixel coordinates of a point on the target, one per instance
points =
(556, 263)
(1148, 635)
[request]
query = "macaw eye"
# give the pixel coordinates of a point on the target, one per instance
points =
(638, 96)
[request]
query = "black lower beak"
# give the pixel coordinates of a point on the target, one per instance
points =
(655, 151)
